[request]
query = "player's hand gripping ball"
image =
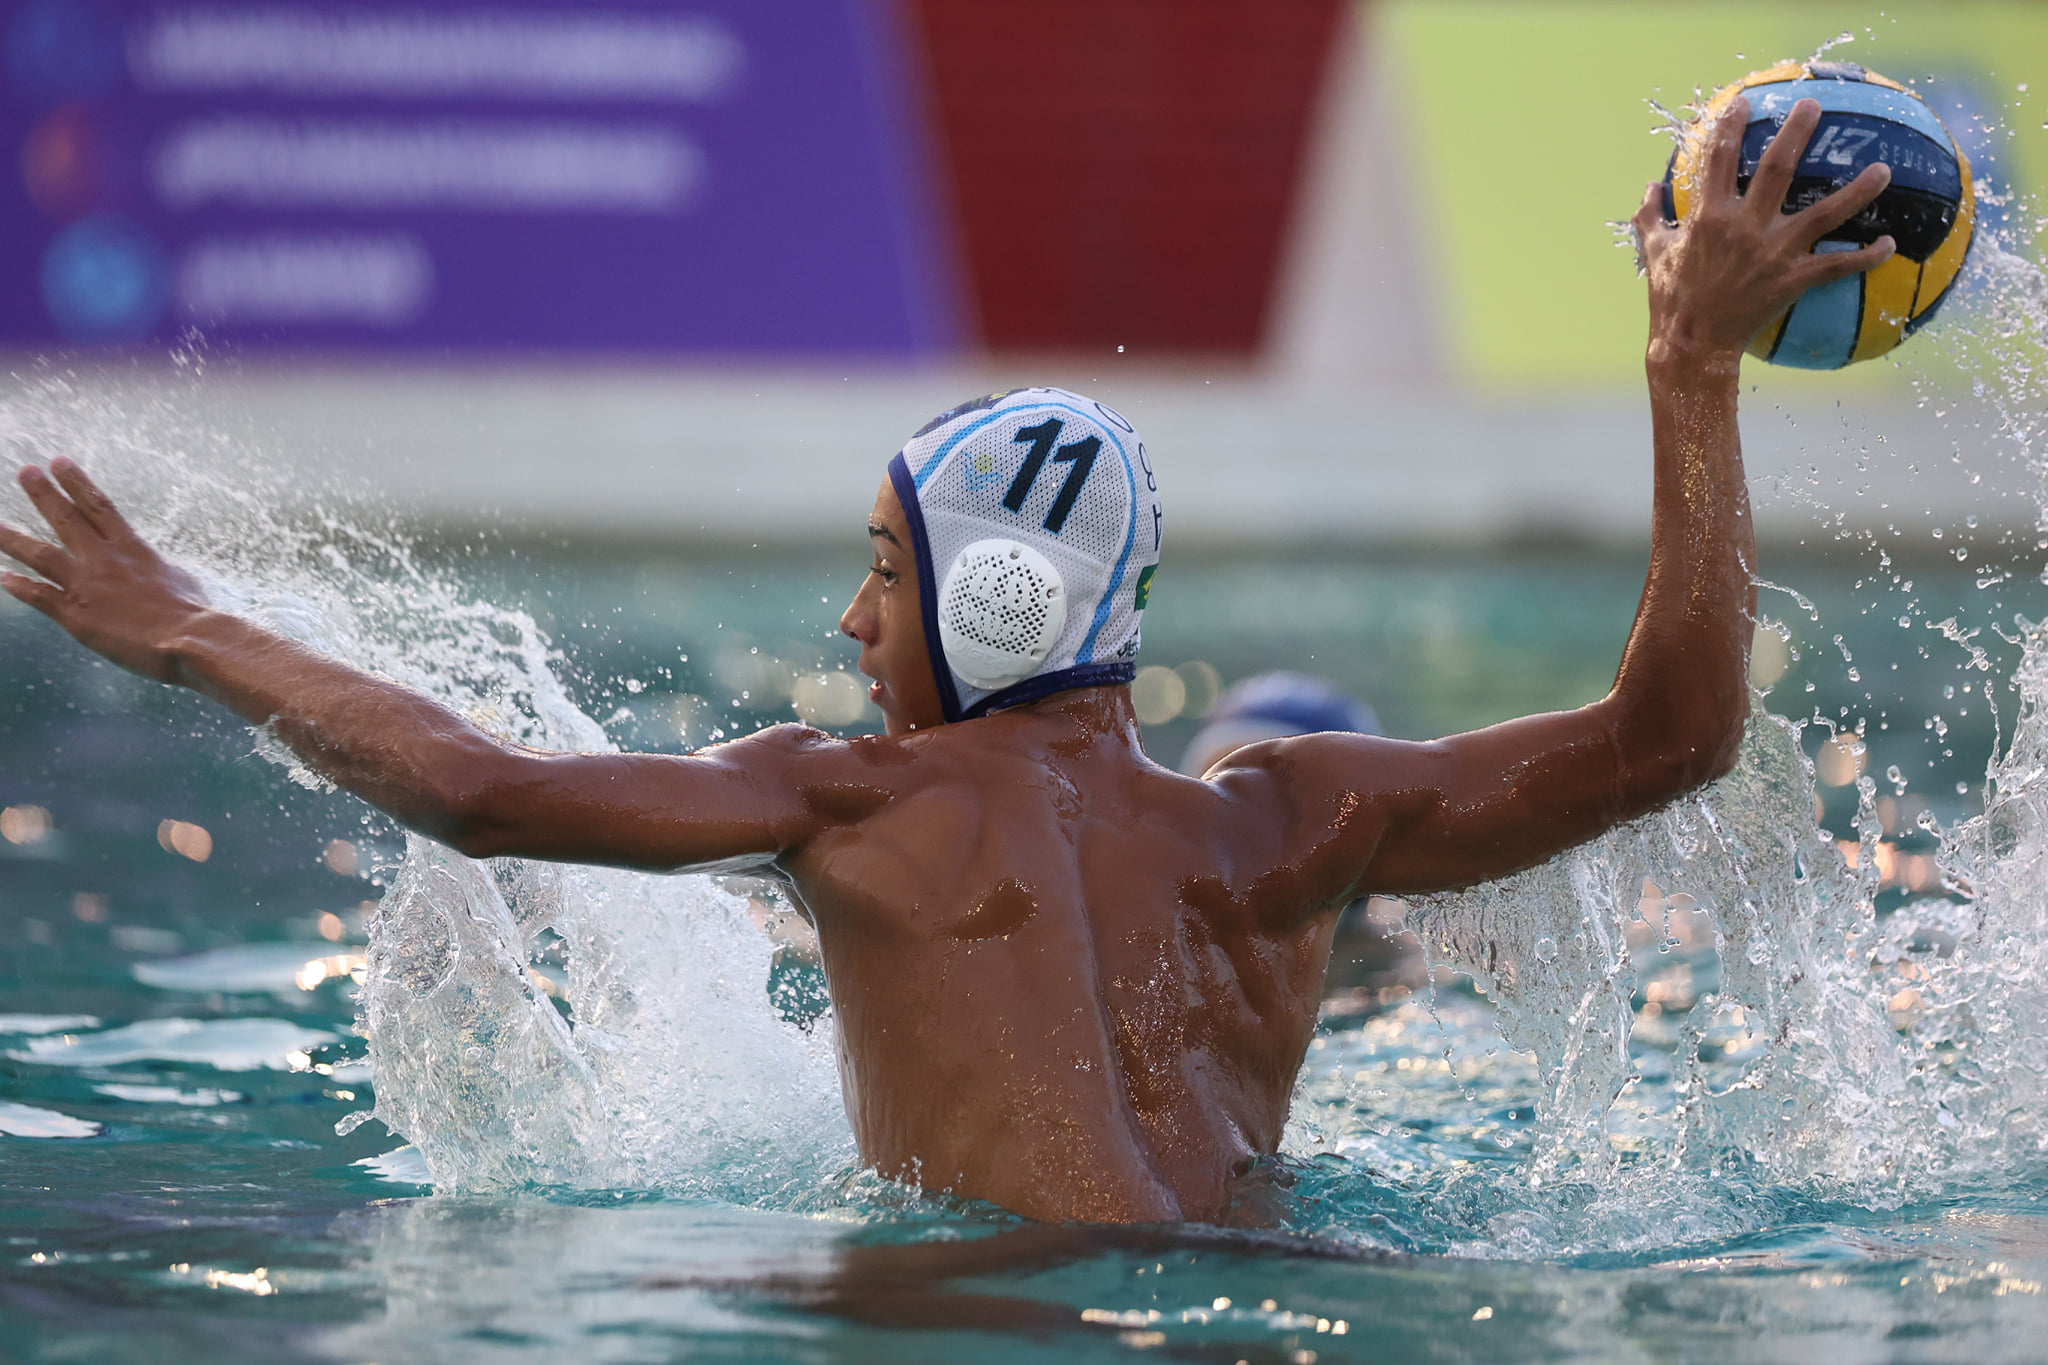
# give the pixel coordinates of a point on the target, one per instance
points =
(1927, 209)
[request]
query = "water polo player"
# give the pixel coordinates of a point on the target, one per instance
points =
(1066, 979)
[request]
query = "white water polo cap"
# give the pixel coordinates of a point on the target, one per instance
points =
(1034, 518)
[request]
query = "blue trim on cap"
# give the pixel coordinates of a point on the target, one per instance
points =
(1045, 684)
(1086, 653)
(927, 589)
(947, 446)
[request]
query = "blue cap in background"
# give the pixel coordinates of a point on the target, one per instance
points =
(1273, 706)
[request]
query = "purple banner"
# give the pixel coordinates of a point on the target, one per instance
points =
(724, 175)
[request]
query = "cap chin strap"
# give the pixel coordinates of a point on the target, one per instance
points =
(927, 589)
(1046, 684)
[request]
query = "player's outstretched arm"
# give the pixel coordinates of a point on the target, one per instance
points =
(1413, 817)
(404, 753)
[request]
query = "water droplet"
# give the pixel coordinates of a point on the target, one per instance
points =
(1546, 949)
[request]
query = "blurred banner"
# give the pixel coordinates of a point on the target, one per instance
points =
(1124, 174)
(612, 174)
(1401, 192)
(826, 177)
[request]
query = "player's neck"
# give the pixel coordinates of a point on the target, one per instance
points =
(1103, 713)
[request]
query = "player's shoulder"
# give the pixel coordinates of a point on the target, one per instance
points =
(814, 754)
(790, 743)
(772, 743)
(1305, 770)
(1296, 755)
(788, 737)
(838, 782)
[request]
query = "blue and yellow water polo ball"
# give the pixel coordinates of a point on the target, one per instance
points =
(1927, 209)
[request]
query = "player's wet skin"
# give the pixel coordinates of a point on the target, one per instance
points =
(1068, 980)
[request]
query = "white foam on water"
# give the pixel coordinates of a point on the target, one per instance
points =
(269, 968)
(223, 1044)
(46, 1023)
(25, 1120)
(170, 1094)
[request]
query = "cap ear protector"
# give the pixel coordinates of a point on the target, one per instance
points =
(1001, 609)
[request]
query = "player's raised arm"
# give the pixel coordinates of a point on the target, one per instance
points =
(402, 752)
(1382, 815)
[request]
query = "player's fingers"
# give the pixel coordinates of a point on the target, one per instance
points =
(1834, 265)
(97, 508)
(45, 558)
(41, 596)
(1650, 213)
(1818, 220)
(1649, 225)
(1774, 171)
(57, 509)
(1724, 149)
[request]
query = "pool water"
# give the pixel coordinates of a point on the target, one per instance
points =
(1761, 1076)
(216, 1216)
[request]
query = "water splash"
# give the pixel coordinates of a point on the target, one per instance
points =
(665, 1063)
(1840, 1054)
(1842, 39)
(670, 1067)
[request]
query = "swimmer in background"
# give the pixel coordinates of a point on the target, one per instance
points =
(1276, 705)
(1374, 960)
(1067, 980)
